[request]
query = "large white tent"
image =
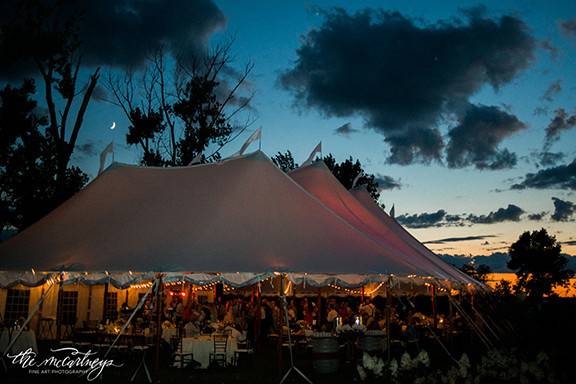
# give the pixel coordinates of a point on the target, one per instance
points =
(242, 214)
(240, 222)
(360, 210)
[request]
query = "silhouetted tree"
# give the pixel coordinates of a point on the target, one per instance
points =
(39, 39)
(479, 273)
(28, 161)
(503, 288)
(347, 171)
(174, 120)
(285, 161)
(539, 264)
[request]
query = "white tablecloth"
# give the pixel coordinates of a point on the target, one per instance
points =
(202, 346)
(167, 333)
(27, 339)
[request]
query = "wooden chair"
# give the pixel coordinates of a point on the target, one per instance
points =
(218, 356)
(179, 357)
(244, 349)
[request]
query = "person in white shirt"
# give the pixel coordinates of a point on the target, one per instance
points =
(332, 314)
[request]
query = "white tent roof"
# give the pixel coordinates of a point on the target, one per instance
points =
(367, 217)
(243, 214)
(363, 196)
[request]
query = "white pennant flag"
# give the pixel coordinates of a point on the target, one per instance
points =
(253, 137)
(392, 212)
(109, 149)
(317, 149)
(358, 176)
(197, 159)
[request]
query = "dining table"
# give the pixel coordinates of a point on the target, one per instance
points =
(202, 346)
(27, 339)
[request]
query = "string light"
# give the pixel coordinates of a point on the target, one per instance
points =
(347, 290)
(374, 290)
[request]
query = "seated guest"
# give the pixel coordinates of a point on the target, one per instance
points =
(191, 329)
(368, 309)
(332, 315)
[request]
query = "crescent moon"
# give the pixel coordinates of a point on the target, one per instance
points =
(113, 125)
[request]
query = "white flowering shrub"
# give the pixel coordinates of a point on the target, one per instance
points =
(494, 367)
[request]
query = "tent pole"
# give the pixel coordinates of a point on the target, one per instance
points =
(105, 301)
(59, 309)
(258, 318)
(281, 328)
(89, 308)
(434, 314)
(40, 312)
(158, 335)
(388, 319)
(292, 366)
(19, 332)
(123, 329)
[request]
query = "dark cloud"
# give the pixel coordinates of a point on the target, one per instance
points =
(562, 121)
(453, 218)
(550, 48)
(568, 27)
(569, 242)
(458, 239)
(537, 216)
(345, 130)
(441, 218)
(563, 210)
(496, 261)
(422, 220)
(548, 159)
(510, 213)
(553, 89)
(87, 149)
(405, 77)
(560, 177)
(387, 182)
(476, 139)
(123, 33)
(100, 93)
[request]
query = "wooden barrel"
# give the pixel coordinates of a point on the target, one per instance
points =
(373, 341)
(325, 353)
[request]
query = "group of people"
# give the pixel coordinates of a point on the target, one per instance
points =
(245, 315)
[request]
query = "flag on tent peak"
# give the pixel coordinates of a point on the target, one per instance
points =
(317, 149)
(109, 149)
(358, 176)
(256, 135)
(197, 159)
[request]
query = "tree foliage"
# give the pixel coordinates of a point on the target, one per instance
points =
(348, 170)
(29, 187)
(536, 257)
(479, 273)
(345, 171)
(175, 117)
(36, 149)
(285, 161)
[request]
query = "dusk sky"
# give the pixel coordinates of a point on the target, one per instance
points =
(468, 108)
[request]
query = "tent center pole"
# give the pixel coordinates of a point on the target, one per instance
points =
(292, 366)
(158, 334)
(59, 309)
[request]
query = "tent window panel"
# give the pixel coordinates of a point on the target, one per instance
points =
(17, 303)
(111, 311)
(68, 307)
